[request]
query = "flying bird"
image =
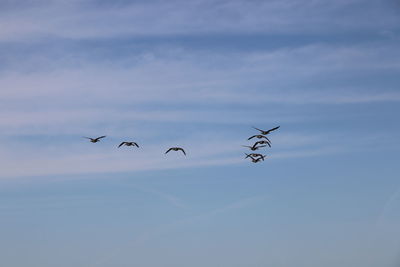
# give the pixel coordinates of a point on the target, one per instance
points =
(128, 144)
(253, 155)
(95, 140)
(262, 143)
(176, 149)
(254, 148)
(259, 136)
(266, 132)
(254, 160)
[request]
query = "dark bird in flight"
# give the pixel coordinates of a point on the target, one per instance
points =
(128, 144)
(262, 143)
(95, 140)
(259, 136)
(254, 148)
(176, 149)
(255, 160)
(266, 132)
(253, 155)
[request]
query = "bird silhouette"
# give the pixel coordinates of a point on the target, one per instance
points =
(259, 136)
(262, 143)
(254, 148)
(254, 160)
(94, 140)
(268, 131)
(253, 155)
(176, 149)
(128, 144)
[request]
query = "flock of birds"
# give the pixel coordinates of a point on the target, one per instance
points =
(130, 143)
(255, 157)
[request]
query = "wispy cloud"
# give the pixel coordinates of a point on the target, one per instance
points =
(66, 72)
(83, 19)
(188, 77)
(85, 158)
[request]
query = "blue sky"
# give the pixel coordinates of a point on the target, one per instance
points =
(199, 74)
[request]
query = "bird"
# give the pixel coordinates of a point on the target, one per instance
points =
(128, 144)
(259, 136)
(94, 140)
(262, 143)
(176, 149)
(254, 160)
(254, 148)
(266, 132)
(255, 155)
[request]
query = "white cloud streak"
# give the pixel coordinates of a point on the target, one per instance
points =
(83, 19)
(103, 158)
(68, 94)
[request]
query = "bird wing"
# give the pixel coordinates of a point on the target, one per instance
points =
(258, 129)
(257, 143)
(273, 129)
(247, 146)
(168, 150)
(247, 155)
(251, 137)
(121, 144)
(100, 137)
(262, 142)
(182, 150)
(135, 144)
(87, 137)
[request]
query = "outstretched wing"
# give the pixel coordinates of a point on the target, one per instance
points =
(247, 146)
(273, 129)
(258, 129)
(247, 155)
(262, 142)
(123, 143)
(135, 144)
(258, 143)
(168, 150)
(251, 137)
(182, 150)
(100, 137)
(87, 137)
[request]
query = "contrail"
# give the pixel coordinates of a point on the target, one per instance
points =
(388, 205)
(241, 203)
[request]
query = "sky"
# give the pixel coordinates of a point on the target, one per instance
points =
(199, 74)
